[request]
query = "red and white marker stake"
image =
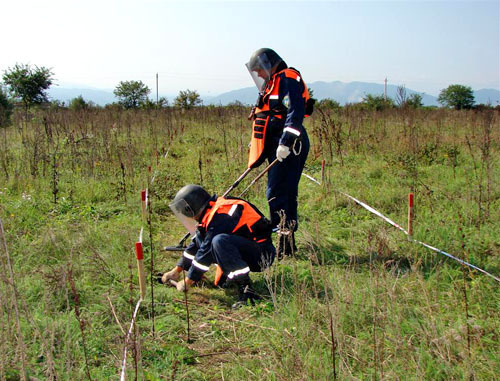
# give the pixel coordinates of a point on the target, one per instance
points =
(140, 268)
(410, 215)
(323, 171)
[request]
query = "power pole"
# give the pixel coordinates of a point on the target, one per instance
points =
(385, 89)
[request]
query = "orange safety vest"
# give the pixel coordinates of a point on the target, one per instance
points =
(248, 220)
(264, 113)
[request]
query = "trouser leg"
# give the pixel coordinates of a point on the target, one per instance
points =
(282, 184)
(237, 256)
(294, 178)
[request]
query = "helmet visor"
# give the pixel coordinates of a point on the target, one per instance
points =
(184, 214)
(260, 69)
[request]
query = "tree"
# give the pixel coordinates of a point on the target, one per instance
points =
(414, 101)
(403, 100)
(187, 99)
(131, 94)
(328, 103)
(401, 96)
(6, 107)
(79, 103)
(236, 103)
(377, 102)
(457, 96)
(150, 104)
(28, 84)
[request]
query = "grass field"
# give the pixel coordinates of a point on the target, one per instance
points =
(357, 301)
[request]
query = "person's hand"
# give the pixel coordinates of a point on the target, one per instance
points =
(183, 285)
(282, 152)
(252, 113)
(171, 275)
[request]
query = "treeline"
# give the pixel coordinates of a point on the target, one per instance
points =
(25, 85)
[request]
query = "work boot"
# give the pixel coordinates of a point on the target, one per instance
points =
(286, 243)
(245, 295)
(223, 283)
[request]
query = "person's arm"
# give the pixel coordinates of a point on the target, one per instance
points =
(221, 223)
(184, 262)
(254, 107)
(291, 95)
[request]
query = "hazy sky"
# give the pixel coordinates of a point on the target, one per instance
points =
(203, 45)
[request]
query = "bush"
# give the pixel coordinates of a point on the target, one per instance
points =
(6, 108)
(377, 102)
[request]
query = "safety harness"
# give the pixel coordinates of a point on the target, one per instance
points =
(271, 106)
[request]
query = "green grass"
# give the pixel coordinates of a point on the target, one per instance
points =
(397, 310)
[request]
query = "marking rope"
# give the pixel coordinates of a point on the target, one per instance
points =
(376, 212)
(124, 361)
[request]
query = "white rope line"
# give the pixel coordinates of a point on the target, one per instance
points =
(127, 338)
(376, 212)
(457, 259)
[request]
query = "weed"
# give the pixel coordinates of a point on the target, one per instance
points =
(357, 300)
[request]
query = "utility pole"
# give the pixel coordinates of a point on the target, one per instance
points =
(157, 89)
(385, 89)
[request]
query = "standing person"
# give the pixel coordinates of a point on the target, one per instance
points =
(277, 132)
(230, 232)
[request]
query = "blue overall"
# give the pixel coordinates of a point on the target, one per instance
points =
(286, 128)
(283, 182)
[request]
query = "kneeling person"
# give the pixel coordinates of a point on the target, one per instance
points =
(230, 232)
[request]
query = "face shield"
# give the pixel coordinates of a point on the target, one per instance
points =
(184, 214)
(260, 69)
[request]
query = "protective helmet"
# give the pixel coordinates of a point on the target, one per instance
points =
(188, 204)
(262, 65)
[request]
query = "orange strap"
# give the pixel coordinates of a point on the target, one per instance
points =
(257, 143)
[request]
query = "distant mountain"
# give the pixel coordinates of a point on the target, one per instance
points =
(342, 92)
(487, 96)
(353, 92)
(98, 96)
(247, 95)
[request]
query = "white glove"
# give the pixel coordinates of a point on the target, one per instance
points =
(171, 275)
(184, 285)
(181, 286)
(282, 152)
